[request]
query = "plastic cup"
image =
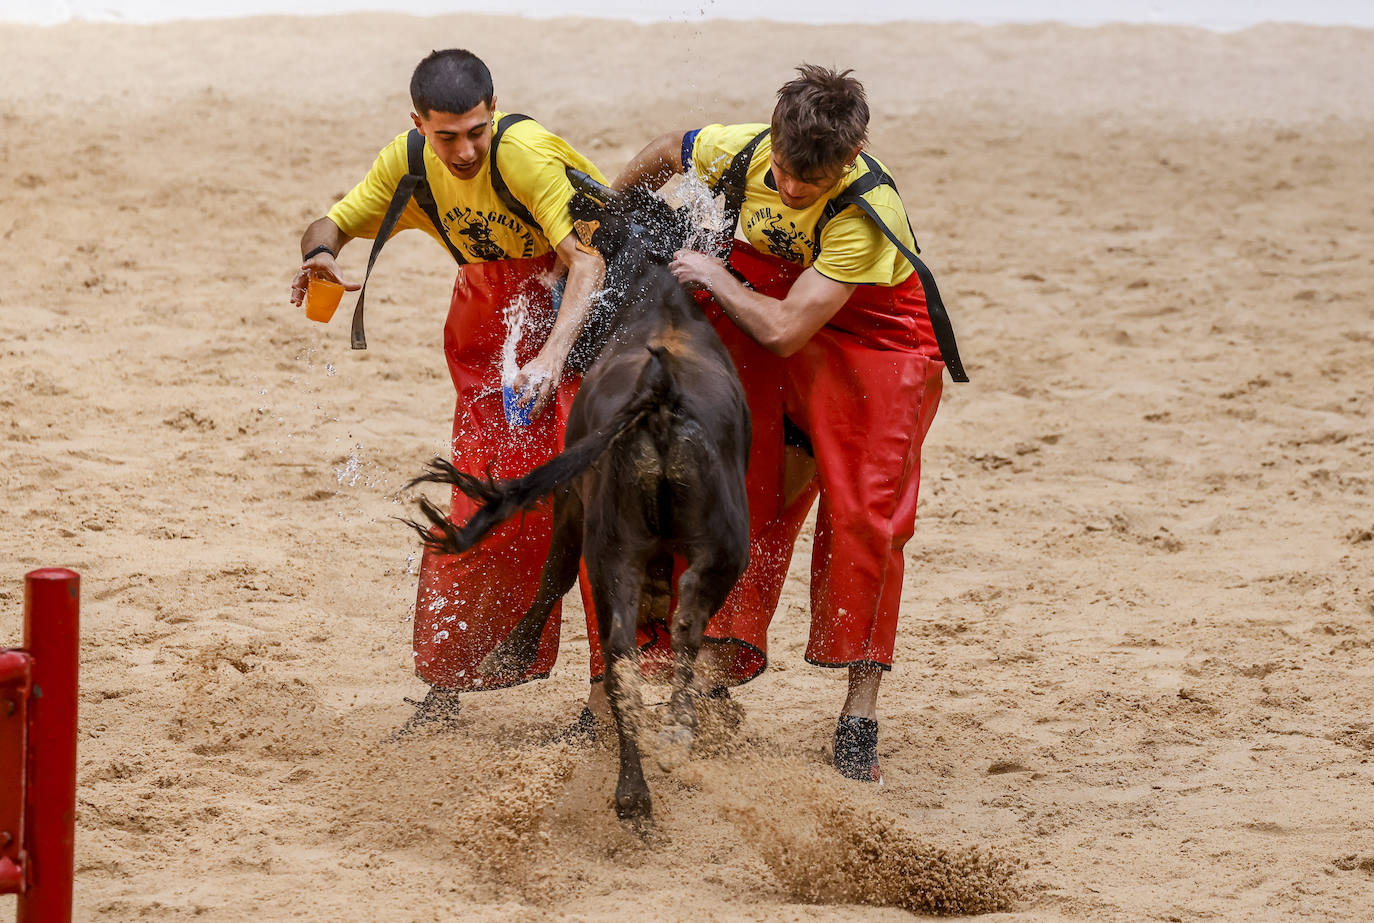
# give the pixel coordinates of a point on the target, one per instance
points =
(322, 299)
(515, 414)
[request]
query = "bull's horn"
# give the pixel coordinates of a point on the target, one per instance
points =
(584, 183)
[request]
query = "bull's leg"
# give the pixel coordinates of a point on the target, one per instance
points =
(617, 581)
(711, 573)
(514, 655)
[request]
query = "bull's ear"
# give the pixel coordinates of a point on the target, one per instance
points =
(585, 230)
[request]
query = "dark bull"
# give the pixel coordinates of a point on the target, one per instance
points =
(656, 448)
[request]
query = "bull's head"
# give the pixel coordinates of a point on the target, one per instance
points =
(631, 230)
(633, 224)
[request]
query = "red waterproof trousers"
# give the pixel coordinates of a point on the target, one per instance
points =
(468, 603)
(864, 390)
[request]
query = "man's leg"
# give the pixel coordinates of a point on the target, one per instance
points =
(862, 700)
(467, 604)
(598, 704)
(856, 733)
(868, 458)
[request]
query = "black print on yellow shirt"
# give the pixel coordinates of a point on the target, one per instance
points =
(782, 241)
(476, 228)
(480, 243)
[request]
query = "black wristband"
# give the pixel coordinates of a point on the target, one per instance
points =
(318, 250)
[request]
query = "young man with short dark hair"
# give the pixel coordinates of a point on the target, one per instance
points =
(842, 365)
(500, 206)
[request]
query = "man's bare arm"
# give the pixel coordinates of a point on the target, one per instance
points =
(322, 232)
(653, 166)
(781, 326)
(542, 373)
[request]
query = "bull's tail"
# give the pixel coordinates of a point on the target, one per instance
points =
(502, 499)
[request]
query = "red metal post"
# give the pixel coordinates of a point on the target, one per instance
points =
(52, 598)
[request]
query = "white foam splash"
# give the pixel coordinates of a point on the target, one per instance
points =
(516, 315)
(705, 212)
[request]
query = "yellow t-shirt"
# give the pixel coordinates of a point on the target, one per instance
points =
(532, 162)
(851, 249)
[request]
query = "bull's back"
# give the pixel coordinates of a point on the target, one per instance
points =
(689, 455)
(707, 385)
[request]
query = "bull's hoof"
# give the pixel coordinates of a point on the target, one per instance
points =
(635, 810)
(674, 745)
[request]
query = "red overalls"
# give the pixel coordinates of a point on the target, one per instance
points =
(864, 389)
(468, 603)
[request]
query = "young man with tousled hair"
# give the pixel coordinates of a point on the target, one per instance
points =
(822, 303)
(500, 206)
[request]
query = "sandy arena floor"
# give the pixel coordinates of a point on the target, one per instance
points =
(1136, 652)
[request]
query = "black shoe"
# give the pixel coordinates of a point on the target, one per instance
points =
(856, 749)
(584, 730)
(438, 708)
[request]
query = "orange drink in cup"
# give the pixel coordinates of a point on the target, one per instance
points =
(322, 299)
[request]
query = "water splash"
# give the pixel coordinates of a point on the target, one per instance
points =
(705, 211)
(516, 315)
(350, 471)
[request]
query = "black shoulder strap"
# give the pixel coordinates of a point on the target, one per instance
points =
(875, 177)
(413, 184)
(732, 182)
(939, 317)
(498, 182)
(424, 196)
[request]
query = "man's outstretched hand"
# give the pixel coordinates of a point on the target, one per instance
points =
(319, 266)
